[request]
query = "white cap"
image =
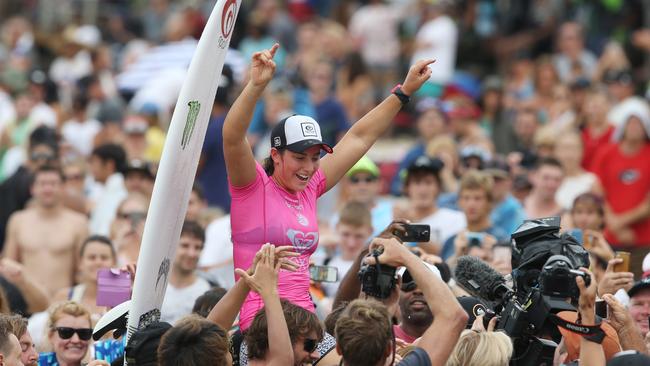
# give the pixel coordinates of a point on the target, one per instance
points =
(298, 133)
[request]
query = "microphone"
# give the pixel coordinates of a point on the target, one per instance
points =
(480, 280)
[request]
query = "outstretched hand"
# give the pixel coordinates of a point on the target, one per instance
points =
(587, 300)
(282, 256)
(418, 74)
(265, 279)
(263, 66)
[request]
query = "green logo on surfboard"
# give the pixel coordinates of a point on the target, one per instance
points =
(192, 113)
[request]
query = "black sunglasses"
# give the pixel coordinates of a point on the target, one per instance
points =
(310, 345)
(356, 180)
(67, 333)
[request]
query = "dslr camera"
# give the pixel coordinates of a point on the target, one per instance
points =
(377, 280)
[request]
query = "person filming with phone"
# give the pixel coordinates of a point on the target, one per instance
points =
(475, 199)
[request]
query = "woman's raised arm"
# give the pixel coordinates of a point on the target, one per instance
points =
(238, 154)
(363, 134)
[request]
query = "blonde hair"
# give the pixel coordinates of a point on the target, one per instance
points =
(71, 308)
(474, 179)
(481, 349)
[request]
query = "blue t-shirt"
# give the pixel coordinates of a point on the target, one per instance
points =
(508, 215)
(213, 176)
(107, 350)
(448, 247)
(417, 357)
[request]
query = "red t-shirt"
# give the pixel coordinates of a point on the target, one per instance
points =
(626, 182)
(593, 144)
(401, 334)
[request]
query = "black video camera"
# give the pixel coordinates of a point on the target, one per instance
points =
(377, 280)
(558, 278)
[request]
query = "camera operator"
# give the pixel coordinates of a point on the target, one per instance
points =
(365, 320)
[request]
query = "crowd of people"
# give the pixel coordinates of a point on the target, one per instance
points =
(336, 124)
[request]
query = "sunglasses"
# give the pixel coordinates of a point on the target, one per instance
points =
(356, 180)
(67, 333)
(310, 345)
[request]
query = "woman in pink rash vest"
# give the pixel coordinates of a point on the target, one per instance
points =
(276, 203)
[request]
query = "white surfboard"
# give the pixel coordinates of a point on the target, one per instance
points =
(178, 166)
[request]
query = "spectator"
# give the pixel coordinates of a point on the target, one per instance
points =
(431, 122)
(79, 131)
(204, 303)
(526, 125)
(623, 174)
(354, 229)
(546, 179)
(69, 333)
(196, 208)
(620, 86)
(96, 253)
(107, 164)
(362, 184)
(569, 151)
(10, 349)
(354, 87)
(573, 61)
(28, 355)
(476, 200)
(365, 320)
(143, 345)
(101, 106)
(494, 120)
(74, 185)
(481, 348)
(212, 167)
(193, 342)
(127, 228)
(139, 178)
(184, 285)
(597, 132)
(64, 229)
(422, 187)
(416, 316)
(507, 213)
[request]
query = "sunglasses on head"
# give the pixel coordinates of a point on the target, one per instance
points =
(310, 345)
(67, 333)
(355, 180)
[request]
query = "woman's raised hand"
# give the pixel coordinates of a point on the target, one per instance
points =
(263, 66)
(417, 75)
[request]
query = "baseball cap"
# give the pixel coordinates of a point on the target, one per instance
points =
(298, 133)
(137, 165)
(426, 164)
(639, 285)
(143, 345)
(629, 358)
(364, 165)
(135, 125)
(473, 307)
(497, 168)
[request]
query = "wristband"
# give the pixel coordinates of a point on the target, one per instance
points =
(397, 90)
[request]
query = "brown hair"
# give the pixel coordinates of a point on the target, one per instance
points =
(300, 323)
(269, 165)
(355, 214)
(71, 308)
(363, 332)
(18, 323)
(193, 341)
(4, 302)
(333, 317)
(5, 333)
(473, 179)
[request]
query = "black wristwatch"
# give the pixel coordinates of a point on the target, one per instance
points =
(397, 90)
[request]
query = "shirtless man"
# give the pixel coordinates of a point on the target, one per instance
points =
(46, 236)
(546, 179)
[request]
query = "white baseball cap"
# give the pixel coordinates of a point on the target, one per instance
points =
(298, 133)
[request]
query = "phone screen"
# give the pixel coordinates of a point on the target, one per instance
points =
(323, 273)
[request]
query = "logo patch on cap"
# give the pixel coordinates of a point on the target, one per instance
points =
(308, 129)
(277, 141)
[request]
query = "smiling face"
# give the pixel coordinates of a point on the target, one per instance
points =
(73, 349)
(95, 256)
(300, 355)
(187, 254)
(640, 309)
(414, 308)
(293, 170)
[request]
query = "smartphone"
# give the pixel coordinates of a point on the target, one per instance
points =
(323, 273)
(587, 241)
(113, 287)
(475, 239)
(418, 233)
(625, 265)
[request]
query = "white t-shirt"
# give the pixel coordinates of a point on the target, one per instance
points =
(445, 223)
(218, 250)
(179, 302)
(343, 266)
(437, 39)
(375, 28)
(572, 187)
(81, 134)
